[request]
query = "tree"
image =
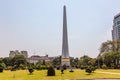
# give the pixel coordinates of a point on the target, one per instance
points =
(38, 65)
(110, 46)
(110, 53)
(74, 62)
(84, 61)
(18, 60)
(7, 61)
(56, 62)
(111, 59)
(2, 64)
(92, 62)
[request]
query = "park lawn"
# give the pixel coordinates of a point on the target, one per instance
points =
(41, 75)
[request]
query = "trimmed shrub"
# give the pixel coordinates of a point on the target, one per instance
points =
(31, 70)
(1, 69)
(51, 71)
(88, 70)
(58, 68)
(71, 70)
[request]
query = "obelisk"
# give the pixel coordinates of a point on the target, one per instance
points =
(65, 60)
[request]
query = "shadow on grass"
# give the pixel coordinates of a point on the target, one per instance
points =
(89, 74)
(30, 74)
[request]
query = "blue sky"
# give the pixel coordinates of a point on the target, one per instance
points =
(36, 25)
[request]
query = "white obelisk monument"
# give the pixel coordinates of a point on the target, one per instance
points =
(65, 60)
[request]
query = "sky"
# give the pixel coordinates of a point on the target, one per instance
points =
(36, 26)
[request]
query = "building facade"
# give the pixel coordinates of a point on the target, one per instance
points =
(16, 52)
(25, 53)
(116, 27)
(36, 58)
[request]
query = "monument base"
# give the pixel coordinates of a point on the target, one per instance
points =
(65, 62)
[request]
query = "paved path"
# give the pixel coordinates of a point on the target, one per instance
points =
(101, 78)
(91, 79)
(106, 79)
(107, 72)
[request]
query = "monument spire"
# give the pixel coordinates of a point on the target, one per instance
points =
(65, 49)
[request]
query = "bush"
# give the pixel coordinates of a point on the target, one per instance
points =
(21, 66)
(104, 66)
(83, 67)
(3, 65)
(38, 68)
(88, 70)
(13, 69)
(43, 67)
(1, 69)
(64, 67)
(51, 71)
(58, 68)
(71, 70)
(8, 68)
(93, 69)
(31, 70)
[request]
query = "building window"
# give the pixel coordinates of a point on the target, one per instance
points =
(118, 22)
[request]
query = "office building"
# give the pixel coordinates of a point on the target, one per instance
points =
(116, 27)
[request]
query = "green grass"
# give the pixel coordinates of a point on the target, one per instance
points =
(41, 75)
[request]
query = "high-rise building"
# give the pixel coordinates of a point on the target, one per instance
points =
(65, 61)
(116, 27)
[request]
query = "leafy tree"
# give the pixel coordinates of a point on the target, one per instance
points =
(110, 53)
(38, 65)
(74, 62)
(84, 61)
(104, 66)
(56, 62)
(92, 62)
(2, 64)
(110, 46)
(111, 59)
(18, 60)
(7, 61)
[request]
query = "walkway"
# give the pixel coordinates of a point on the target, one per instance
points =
(107, 72)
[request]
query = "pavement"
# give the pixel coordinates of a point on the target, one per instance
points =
(100, 78)
(92, 79)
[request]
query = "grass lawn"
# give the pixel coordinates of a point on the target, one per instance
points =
(41, 75)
